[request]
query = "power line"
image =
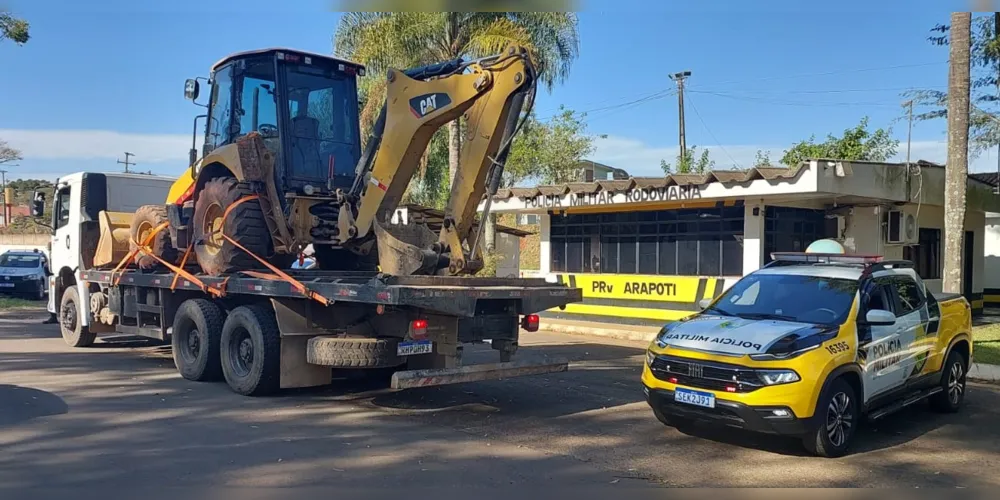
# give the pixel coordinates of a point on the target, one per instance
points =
(825, 91)
(835, 72)
(716, 139)
(807, 104)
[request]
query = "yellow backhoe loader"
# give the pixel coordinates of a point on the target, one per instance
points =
(282, 166)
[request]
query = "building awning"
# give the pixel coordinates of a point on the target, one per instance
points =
(624, 185)
(434, 218)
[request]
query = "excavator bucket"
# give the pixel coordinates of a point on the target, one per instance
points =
(112, 247)
(401, 249)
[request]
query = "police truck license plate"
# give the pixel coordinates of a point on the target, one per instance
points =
(414, 347)
(697, 398)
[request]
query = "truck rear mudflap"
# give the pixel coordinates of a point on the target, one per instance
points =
(410, 379)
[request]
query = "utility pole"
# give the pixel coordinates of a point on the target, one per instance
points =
(6, 201)
(126, 162)
(679, 78)
(909, 129)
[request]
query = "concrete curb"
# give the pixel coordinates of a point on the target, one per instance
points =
(983, 371)
(623, 334)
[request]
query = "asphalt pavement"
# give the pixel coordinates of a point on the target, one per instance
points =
(117, 417)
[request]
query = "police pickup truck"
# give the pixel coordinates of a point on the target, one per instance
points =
(808, 346)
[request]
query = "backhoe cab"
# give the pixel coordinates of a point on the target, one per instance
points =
(282, 166)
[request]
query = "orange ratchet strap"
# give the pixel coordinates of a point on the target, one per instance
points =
(138, 248)
(179, 271)
(278, 272)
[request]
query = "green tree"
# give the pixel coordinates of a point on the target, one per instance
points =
(383, 40)
(984, 124)
(12, 28)
(762, 159)
(688, 164)
(549, 152)
(857, 143)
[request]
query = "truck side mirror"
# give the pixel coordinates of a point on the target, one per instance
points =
(37, 204)
(191, 89)
(880, 317)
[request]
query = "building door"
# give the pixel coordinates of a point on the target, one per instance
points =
(968, 257)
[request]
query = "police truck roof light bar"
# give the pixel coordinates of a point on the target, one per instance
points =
(825, 258)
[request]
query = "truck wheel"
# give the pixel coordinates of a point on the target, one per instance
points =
(73, 331)
(245, 224)
(147, 218)
(338, 352)
(251, 351)
(949, 400)
(195, 340)
(835, 421)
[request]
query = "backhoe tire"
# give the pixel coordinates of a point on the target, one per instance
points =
(147, 218)
(70, 325)
(338, 352)
(245, 224)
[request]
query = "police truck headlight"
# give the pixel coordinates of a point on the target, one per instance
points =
(776, 377)
(650, 357)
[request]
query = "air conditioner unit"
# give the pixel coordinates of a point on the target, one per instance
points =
(901, 227)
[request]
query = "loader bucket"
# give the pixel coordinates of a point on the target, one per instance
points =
(112, 247)
(404, 249)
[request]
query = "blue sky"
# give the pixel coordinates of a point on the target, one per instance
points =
(98, 80)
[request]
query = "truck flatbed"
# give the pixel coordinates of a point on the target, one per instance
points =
(448, 295)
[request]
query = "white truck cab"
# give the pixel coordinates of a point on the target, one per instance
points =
(78, 199)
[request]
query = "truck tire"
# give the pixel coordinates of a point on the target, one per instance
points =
(245, 224)
(835, 421)
(73, 331)
(251, 351)
(197, 331)
(147, 218)
(953, 375)
(337, 352)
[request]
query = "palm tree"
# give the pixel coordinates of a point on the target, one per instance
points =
(383, 40)
(956, 178)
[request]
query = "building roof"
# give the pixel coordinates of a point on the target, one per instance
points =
(777, 174)
(434, 218)
(991, 178)
(621, 185)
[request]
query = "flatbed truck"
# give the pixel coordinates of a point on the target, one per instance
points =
(262, 332)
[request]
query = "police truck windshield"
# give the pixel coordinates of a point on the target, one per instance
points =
(804, 299)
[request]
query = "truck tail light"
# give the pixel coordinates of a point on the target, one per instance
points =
(530, 323)
(418, 329)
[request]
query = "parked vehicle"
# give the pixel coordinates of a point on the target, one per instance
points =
(809, 345)
(24, 273)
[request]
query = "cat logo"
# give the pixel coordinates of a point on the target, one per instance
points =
(423, 105)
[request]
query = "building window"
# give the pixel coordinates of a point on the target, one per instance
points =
(687, 242)
(926, 257)
(527, 219)
(788, 229)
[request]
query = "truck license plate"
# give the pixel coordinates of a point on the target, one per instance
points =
(414, 347)
(697, 398)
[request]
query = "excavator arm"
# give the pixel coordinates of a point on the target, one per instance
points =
(490, 93)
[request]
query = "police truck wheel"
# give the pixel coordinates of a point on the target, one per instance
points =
(73, 331)
(245, 224)
(251, 351)
(146, 219)
(835, 421)
(195, 340)
(949, 400)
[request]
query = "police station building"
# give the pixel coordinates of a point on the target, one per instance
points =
(646, 250)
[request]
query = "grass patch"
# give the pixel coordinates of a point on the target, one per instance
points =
(8, 303)
(986, 344)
